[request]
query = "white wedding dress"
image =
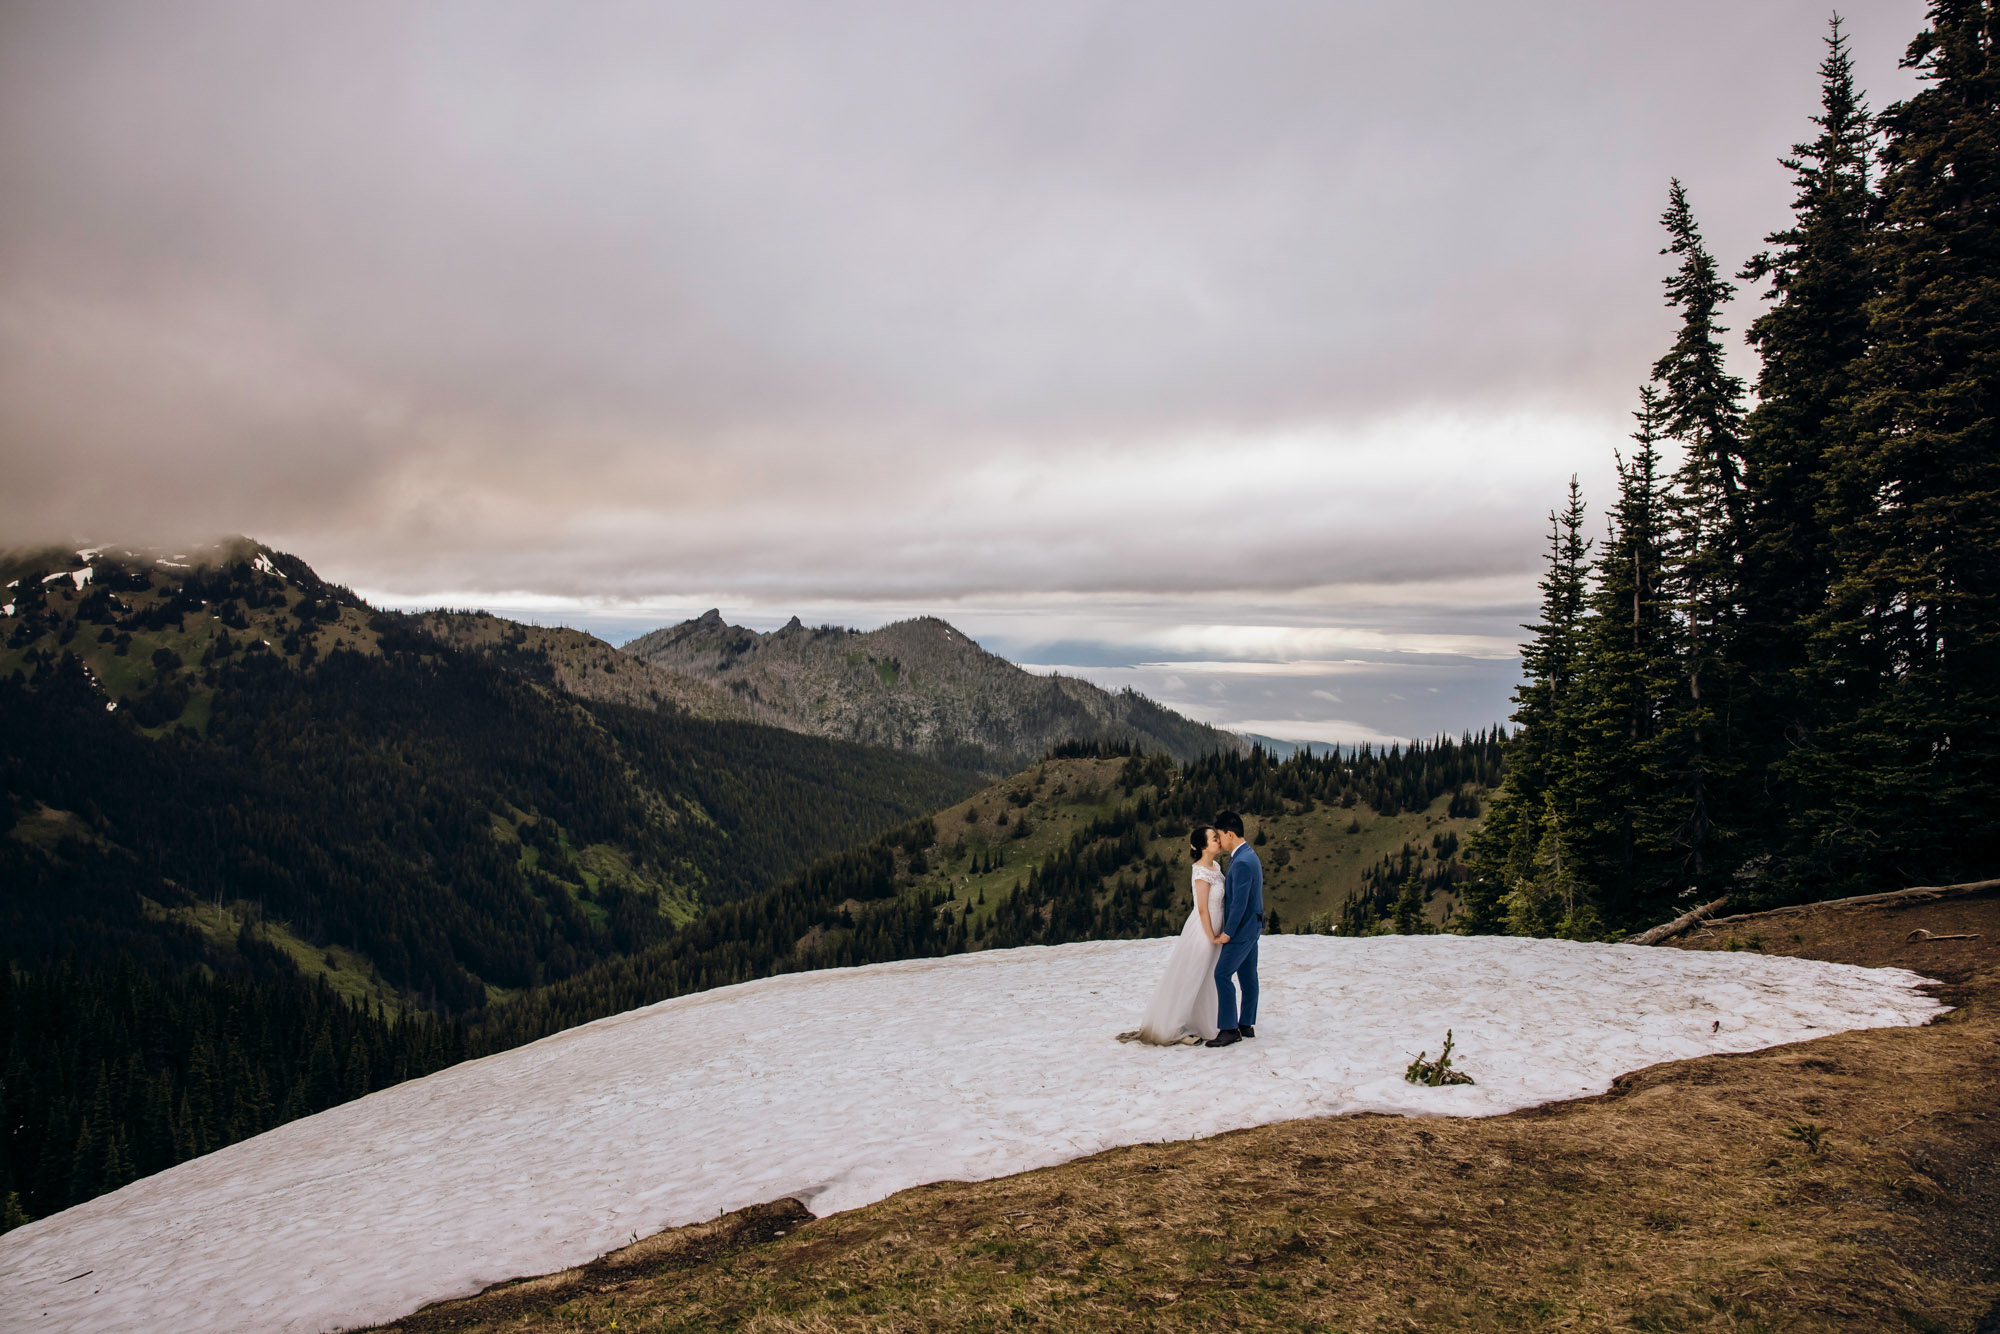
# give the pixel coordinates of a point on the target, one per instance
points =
(1183, 1004)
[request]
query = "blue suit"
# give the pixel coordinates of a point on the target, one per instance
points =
(1243, 923)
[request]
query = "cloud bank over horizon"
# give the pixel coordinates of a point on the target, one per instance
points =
(1119, 334)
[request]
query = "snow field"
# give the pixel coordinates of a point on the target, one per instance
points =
(845, 1086)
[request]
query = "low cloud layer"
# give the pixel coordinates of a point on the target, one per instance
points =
(1063, 308)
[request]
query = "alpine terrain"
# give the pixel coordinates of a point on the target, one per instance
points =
(918, 685)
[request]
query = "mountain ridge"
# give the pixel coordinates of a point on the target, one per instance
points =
(920, 685)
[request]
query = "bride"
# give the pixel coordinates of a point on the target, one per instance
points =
(1183, 1005)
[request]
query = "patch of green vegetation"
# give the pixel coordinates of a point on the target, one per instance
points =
(45, 827)
(352, 976)
(602, 862)
(1314, 860)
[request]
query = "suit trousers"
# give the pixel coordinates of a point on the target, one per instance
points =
(1238, 961)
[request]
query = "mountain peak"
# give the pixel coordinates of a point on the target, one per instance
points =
(921, 685)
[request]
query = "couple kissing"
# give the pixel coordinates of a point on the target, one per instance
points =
(1196, 999)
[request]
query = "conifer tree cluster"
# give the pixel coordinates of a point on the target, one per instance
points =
(109, 1072)
(1776, 672)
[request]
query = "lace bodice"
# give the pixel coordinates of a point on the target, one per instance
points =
(1210, 877)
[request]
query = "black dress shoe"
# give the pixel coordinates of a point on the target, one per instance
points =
(1224, 1038)
(1248, 1030)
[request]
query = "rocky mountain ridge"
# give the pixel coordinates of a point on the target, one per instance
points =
(918, 685)
(585, 666)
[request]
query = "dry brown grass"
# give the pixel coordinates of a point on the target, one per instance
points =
(1682, 1200)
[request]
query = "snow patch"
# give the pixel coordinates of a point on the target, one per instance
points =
(51, 578)
(7, 610)
(263, 563)
(848, 1085)
(174, 563)
(82, 576)
(111, 706)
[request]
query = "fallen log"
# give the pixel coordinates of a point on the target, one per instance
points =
(1919, 936)
(1668, 930)
(1895, 898)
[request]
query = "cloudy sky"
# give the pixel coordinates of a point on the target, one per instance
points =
(1234, 351)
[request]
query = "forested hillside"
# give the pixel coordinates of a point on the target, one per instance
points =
(1776, 674)
(109, 1072)
(1088, 845)
(220, 768)
(458, 824)
(917, 685)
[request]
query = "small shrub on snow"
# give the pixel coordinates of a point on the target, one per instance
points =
(1435, 1074)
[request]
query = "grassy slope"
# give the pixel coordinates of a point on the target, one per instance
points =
(352, 976)
(1324, 852)
(1679, 1201)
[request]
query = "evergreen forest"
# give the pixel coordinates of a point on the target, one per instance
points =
(1774, 672)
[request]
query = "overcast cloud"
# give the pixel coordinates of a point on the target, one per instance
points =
(1157, 341)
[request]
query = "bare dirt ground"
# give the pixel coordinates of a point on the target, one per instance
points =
(1848, 1183)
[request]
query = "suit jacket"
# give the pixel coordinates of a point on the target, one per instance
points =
(1243, 895)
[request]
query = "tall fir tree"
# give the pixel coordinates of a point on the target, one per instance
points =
(1903, 780)
(1626, 681)
(1701, 407)
(1820, 276)
(1522, 878)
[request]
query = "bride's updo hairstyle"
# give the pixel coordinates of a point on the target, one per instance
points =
(1198, 841)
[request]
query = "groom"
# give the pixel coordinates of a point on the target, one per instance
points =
(1242, 923)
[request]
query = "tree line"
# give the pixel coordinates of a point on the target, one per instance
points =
(110, 1072)
(1775, 673)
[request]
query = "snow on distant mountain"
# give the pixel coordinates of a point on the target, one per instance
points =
(843, 1087)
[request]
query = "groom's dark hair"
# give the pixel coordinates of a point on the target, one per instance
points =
(1229, 822)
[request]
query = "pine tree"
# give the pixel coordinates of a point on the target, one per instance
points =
(1504, 859)
(1905, 774)
(13, 1213)
(1701, 408)
(1821, 275)
(1626, 682)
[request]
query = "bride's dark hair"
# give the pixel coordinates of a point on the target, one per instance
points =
(1198, 841)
